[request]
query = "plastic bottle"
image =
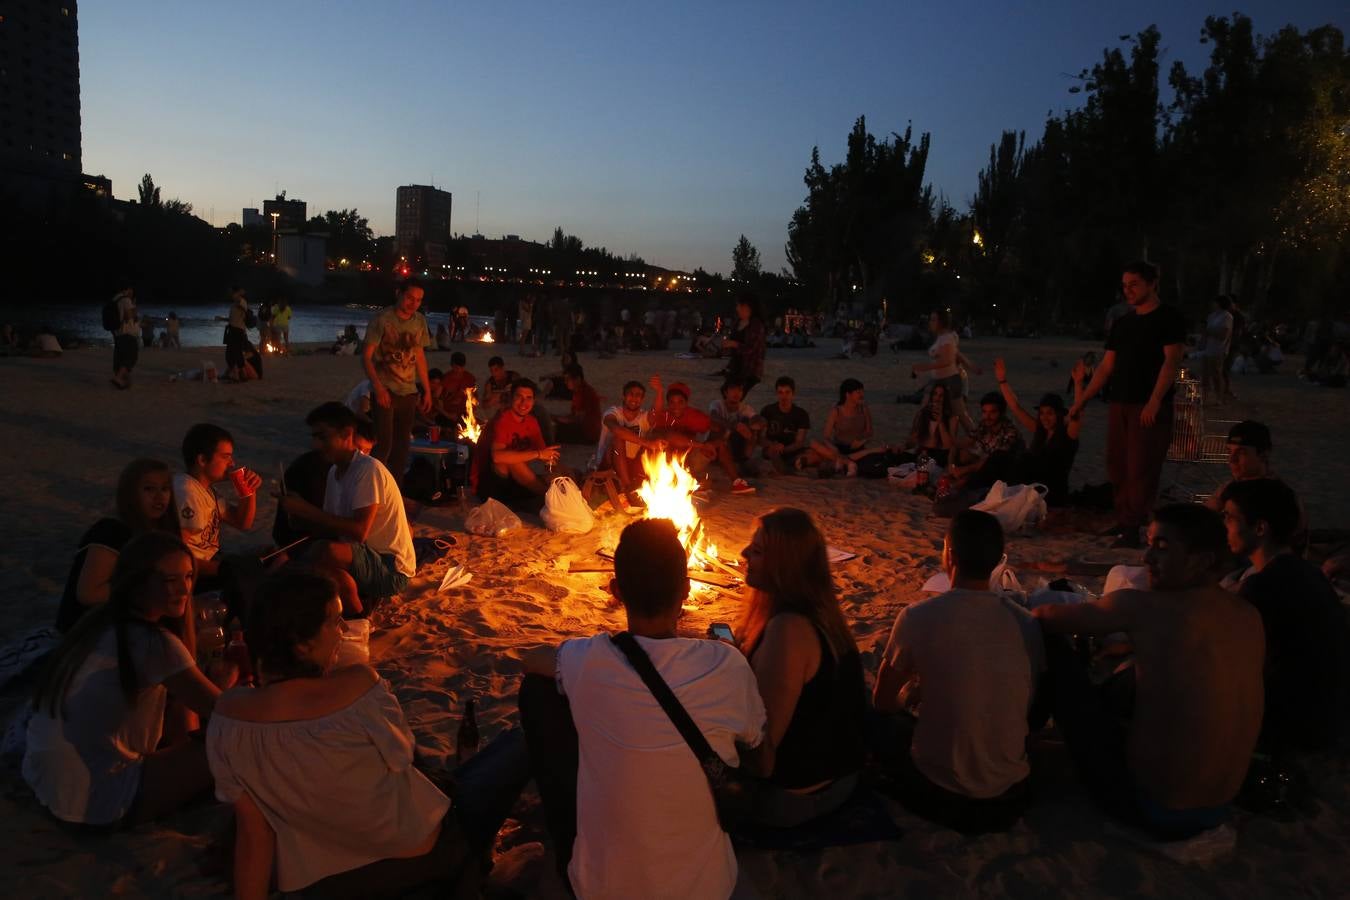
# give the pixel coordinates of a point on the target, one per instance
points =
(466, 739)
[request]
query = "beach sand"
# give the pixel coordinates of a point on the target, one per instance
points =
(67, 434)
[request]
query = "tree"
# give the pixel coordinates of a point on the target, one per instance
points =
(148, 192)
(744, 261)
(349, 234)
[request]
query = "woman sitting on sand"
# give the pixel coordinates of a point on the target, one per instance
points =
(933, 431)
(95, 754)
(847, 431)
(1054, 436)
(280, 751)
(809, 672)
(144, 504)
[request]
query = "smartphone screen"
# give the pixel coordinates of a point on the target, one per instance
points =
(721, 631)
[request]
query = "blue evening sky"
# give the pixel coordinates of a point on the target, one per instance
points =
(665, 129)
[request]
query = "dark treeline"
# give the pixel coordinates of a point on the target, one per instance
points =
(1236, 179)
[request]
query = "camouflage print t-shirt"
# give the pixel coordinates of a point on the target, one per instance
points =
(396, 341)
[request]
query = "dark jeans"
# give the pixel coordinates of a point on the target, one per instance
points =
(125, 352)
(393, 432)
(892, 736)
(551, 737)
(1095, 723)
(236, 340)
(486, 788)
(1134, 459)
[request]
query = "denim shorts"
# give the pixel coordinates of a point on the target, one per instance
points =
(376, 574)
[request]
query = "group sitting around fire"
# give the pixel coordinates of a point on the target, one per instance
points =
(1173, 698)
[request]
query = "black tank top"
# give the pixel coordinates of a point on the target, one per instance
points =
(824, 740)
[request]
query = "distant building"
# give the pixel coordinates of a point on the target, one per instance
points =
(422, 223)
(40, 154)
(290, 213)
(301, 256)
(253, 217)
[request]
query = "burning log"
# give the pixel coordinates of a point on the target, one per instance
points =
(470, 428)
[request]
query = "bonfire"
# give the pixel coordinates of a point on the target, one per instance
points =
(470, 428)
(487, 338)
(668, 493)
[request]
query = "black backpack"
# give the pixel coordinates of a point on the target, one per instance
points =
(112, 316)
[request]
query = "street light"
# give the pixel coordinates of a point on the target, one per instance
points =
(275, 215)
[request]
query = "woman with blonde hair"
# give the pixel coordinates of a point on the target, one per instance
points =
(808, 669)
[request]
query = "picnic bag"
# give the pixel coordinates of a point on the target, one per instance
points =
(565, 509)
(1016, 507)
(492, 519)
(734, 791)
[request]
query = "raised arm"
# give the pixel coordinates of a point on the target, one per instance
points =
(1099, 379)
(1010, 396)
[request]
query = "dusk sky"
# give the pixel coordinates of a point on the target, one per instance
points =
(662, 129)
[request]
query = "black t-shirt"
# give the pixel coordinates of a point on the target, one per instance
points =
(306, 477)
(1138, 342)
(1307, 654)
(1049, 461)
(783, 426)
(110, 533)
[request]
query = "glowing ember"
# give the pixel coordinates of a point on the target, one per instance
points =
(470, 429)
(269, 347)
(669, 494)
(487, 338)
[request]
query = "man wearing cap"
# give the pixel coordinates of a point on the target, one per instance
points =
(682, 426)
(1249, 447)
(1143, 352)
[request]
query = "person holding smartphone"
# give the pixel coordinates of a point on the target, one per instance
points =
(807, 666)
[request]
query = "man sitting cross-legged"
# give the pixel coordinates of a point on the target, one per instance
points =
(993, 451)
(785, 427)
(369, 549)
(507, 446)
(968, 662)
(626, 801)
(1197, 694)
(208, 455)
(1307, 644)
(625, 433)
(742, 429)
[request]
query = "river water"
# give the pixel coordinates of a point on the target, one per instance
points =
(198, 326)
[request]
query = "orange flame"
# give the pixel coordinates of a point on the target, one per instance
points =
(487, 338)
(470, 428)
(669, 494)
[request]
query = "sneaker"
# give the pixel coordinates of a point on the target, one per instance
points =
(741, 486)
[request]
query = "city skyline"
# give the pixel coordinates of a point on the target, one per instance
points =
(666, 134)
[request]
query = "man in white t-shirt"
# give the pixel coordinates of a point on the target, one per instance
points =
(627, 802)
(1218, 338)
(968, 661)
(370, 551)
(623, 435)
(208, 455)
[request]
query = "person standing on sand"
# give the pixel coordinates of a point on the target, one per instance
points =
(1197, 697)
(395, 360)
(1143, 352)
(281, 323)
(747, 344)
(125, 348)
(171, 331)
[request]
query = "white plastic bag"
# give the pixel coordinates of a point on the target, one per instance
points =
(354, 647)
(1003, 580)
(492, 519)
(1017, 507)
(1125, 577)
(565, 509)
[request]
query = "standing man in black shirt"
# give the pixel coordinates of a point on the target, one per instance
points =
(1143, 351)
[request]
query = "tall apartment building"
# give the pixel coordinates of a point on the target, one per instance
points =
(422, 223)
(290, 213)
(39, 97)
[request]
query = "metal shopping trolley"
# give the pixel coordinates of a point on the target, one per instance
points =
(1195, 448)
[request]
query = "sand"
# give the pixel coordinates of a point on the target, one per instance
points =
(67, 433)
